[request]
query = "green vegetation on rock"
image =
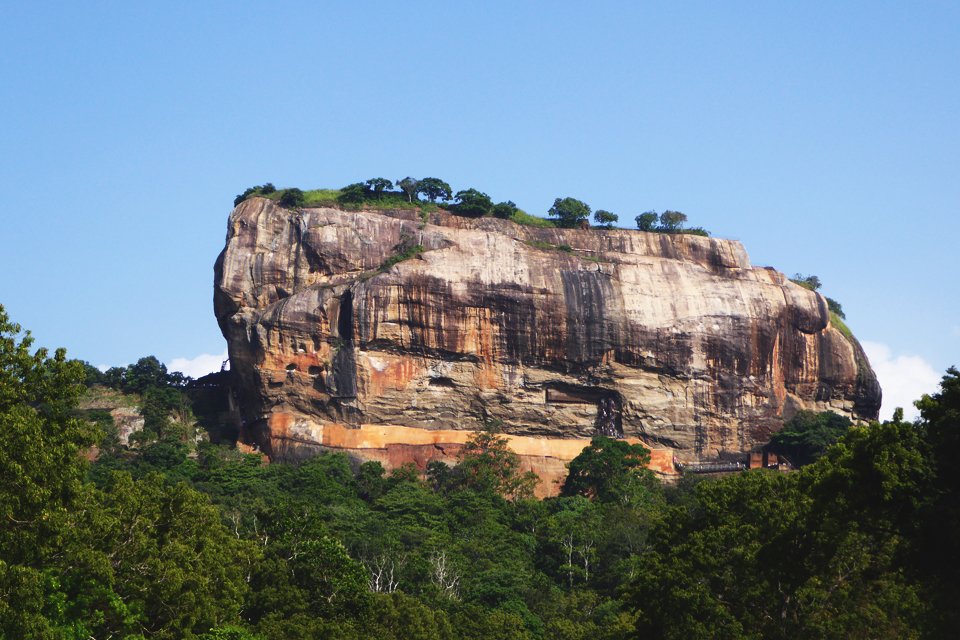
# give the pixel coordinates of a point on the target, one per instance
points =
(669, 222)
(812, 283)
(523, 218)
(406, 254)
(405, 193)
(841, 326)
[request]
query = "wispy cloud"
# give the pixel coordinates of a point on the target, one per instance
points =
(199, 365)
(904, 378)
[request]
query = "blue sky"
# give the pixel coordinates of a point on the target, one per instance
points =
(822, 135)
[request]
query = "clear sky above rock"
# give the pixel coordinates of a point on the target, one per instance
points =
(824, 137)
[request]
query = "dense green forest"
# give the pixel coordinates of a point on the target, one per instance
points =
(171, 536)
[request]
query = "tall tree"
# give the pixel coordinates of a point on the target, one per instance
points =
(569, 212)
(608, 470)
(672, 221)
(435, 189)
(409, 186)
(488, 464)
(41, 475)
(605, 218)
(378, 186)
(471, 202)
(939, 550)
(647, 221)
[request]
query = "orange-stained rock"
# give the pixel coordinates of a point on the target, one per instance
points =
(396, 445)
(676, 341)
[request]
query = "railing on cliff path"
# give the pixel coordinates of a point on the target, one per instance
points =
(710, 467)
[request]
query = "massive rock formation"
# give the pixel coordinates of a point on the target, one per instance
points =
(558, 334)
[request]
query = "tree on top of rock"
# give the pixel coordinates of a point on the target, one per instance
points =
(435, 189)
(471, 202)
(504, 210)
(647, 221)
(569, 213)
(672, 221)
(409, 186)
(604, 218)
(378, 186)
(807, 282)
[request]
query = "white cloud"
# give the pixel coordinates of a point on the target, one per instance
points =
(904, 378)
(199, 366)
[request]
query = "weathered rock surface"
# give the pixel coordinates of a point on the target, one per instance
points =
(673, 340)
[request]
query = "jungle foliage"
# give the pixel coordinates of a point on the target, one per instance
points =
(175, 537)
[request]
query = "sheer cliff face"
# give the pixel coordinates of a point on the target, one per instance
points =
(674, 340)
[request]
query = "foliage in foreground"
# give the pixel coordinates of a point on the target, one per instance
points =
(205, 542)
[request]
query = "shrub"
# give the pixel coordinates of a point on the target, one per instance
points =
(505, 210)
(471, 202)
(258, 190)
(807, 282)
(835, 307)
(406, 254)
(291, 198)
(353, 193)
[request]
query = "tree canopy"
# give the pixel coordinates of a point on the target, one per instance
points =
(607, 469)
(473, 203)
(410, 186)
(807, 435)
(605, 219)
(667, 222)
(181, 538)
(647, 221)
(569, 212)
(435, 189)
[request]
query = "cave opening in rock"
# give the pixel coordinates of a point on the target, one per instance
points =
(609, 403)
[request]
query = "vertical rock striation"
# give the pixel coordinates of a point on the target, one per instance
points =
(672, 340)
